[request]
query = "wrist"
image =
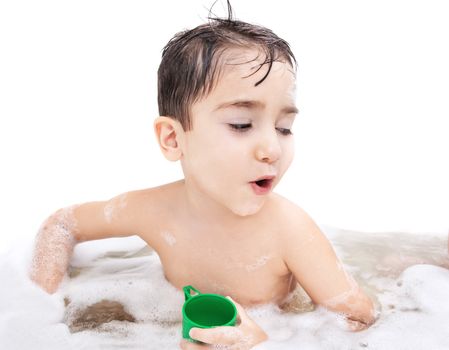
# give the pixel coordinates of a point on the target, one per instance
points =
(259, 336)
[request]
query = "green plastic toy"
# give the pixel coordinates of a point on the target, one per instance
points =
(206, 311)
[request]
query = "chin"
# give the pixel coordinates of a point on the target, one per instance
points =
(249, 209)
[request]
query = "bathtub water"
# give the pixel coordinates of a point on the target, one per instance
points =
(407, 275)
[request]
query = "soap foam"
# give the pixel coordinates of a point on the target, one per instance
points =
(113, 205)
(54, 243)
(260, 262)
(169, 238)
(412, 300)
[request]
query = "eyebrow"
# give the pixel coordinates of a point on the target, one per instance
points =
(254, 104)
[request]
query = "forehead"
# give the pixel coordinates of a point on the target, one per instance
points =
(240, 71)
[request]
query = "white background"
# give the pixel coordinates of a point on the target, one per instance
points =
(78, 99)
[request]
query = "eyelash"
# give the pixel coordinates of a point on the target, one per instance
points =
(245, 127)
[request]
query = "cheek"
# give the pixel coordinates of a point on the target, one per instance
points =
(209, 156)
(223, 150)
(288, 153)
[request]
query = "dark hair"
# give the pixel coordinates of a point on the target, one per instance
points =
(191, 63)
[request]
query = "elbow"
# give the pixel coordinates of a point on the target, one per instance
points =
(363, 316)
(49, 283)
(52, 250)
(357, 309)
(61, 225)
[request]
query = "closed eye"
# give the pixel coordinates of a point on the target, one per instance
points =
(284, 131)
(241, 127)
(247, 126)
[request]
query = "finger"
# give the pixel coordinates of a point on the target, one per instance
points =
(240, 310)
(187, 345)
(219, 335)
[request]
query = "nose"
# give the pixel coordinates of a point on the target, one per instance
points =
(268, 149)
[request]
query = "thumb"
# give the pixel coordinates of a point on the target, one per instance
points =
(240, 310)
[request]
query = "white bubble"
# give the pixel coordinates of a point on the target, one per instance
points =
(412, 299)
(260, 262)
(169, 238)
(113, 206)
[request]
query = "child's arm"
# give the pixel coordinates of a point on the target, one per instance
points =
(313, 262)
(62, 230)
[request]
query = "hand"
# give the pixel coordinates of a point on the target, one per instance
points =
(242, 337)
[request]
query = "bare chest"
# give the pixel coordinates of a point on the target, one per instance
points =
(252, 272)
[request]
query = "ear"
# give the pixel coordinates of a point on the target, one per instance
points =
(168, 133)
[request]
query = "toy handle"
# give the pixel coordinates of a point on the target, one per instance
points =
(187, 290)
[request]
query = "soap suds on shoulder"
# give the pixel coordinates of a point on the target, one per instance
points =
(114, 204)
(169, 238)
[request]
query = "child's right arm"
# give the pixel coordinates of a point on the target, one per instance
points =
(61, 231)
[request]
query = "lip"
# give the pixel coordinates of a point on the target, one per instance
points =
(259, 190)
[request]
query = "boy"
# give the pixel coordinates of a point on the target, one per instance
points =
(226, 100)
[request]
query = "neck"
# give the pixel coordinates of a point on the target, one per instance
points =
(206, 211)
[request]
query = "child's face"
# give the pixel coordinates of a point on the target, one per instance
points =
(222, 161)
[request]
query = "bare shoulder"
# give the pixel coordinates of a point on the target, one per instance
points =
(294, 222)
(149, 206)
(129, 213)
(298, 233)
(151, 200)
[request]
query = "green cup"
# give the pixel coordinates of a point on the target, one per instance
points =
(206, 311)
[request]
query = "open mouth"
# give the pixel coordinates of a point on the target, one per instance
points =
(264, 183)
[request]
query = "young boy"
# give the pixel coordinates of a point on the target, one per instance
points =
(226, 99)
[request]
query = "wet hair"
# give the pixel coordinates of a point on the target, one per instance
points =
(192, 61)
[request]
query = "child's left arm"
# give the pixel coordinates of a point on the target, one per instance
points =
(313, 262)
